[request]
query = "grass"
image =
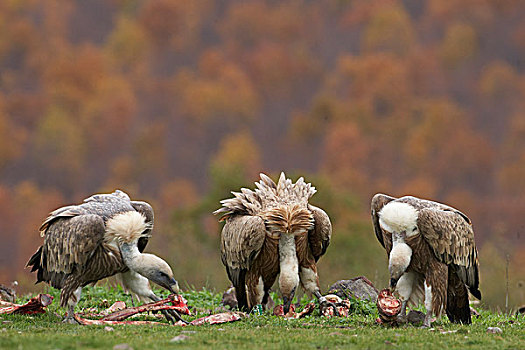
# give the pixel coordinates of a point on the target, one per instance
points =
(358, 331)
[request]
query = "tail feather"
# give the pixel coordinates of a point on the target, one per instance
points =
(238, 279)
(35, 264)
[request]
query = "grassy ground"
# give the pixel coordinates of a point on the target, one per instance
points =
(313, 332)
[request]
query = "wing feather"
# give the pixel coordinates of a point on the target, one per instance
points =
(451, 237)
(319, 237)
(241, 241)
(147, 210)
(70, 242)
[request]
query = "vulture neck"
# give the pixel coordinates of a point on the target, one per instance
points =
(131, 255)
(288, 263)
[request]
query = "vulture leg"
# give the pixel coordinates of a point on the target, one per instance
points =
(428, 305)
(71, 303)
(404, 288)
(255, 289)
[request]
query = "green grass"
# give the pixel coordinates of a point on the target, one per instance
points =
(358, 331)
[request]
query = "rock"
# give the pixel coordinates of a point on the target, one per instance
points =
(495, 330)
(229, 298)
(123, 346)
(179, 338)
(359, 287)
(109, 329)
(415, 317)
(7, 294)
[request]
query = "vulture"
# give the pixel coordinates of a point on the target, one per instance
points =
(103, 236)
(432, 255)
(272, 231)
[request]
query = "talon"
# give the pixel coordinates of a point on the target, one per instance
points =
(173, 316)
(70, 320)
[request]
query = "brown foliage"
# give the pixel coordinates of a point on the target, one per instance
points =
(180, 102)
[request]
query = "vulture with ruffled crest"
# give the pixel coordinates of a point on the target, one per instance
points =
(103, 236)
(432, 254)
(271, 231)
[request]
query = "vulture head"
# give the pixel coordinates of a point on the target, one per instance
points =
(284, 223)
(157, 271)
(127, 229)
(400, 219)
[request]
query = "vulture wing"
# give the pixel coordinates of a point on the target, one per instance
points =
(319, 237)
(450, 235)
(378, 202)
(145, 209)
(69, 243)
(64, 212)
(241, 241)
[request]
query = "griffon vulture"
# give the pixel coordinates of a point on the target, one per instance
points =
(432, 254)
(273, 231)
(103, 236)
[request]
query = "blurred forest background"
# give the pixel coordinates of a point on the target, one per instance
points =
(179, 102)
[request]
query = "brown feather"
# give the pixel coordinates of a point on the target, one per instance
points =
(319, 237)
(290, 219)
(254, 220)
(458, 308)
(74, 253)
(443, 252)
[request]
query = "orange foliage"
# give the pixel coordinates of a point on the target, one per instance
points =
(180, 102)
(389, 29)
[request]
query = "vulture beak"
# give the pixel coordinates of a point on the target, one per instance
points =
(393, 283)
(287, 301)
(167, 282)
(174, 286)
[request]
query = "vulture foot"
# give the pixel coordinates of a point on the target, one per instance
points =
(173, 316)
(70, 320)
(428, 319)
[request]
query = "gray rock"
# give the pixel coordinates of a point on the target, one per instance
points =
(7, 294)
(359, 287)
(415, 317)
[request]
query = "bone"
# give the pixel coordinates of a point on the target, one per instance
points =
(34, 306)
